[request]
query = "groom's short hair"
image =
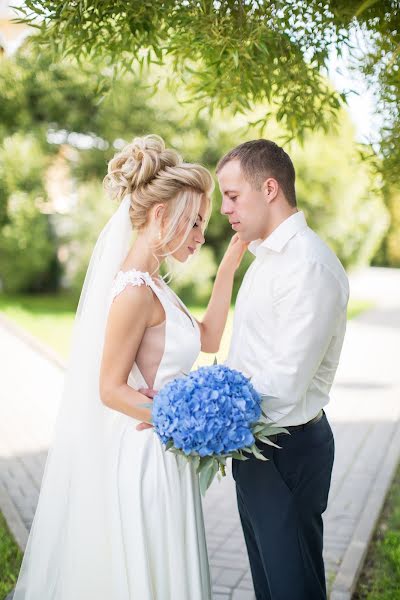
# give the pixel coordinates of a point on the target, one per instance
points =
(260, 159)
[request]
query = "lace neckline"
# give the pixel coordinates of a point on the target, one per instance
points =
(144, 274)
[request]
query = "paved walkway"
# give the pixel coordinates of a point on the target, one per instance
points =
(364, 413)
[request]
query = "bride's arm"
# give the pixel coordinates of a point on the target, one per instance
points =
(213, 323)
(129, 315)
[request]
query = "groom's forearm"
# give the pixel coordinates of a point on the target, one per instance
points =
(213, 323)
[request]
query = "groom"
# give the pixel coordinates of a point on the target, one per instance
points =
(289, 324)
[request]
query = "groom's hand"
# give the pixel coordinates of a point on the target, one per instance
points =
(150, 394)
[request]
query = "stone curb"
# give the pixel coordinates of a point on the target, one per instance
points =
(13, 519)
(32, 341)
(349, 571)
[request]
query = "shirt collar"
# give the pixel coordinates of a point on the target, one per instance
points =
(278, 239)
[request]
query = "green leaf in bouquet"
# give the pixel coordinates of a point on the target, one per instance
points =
(215, 361)
(204, 462)
(176, 451)
(275, 430)
(207, 460)
(260, 427)
(215, 467)
(257, 453)
(270, 429)
(239, 456)
(169, 444)
(205, 478)
(207, 474)
(266, 440)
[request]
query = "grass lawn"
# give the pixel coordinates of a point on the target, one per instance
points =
(10, 560)
(380, 578)
(49, 318)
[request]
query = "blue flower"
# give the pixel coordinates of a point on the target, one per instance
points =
(209, 412)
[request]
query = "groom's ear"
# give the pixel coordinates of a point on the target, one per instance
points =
(270, 189)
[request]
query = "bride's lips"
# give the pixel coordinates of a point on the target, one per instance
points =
(235, 225)
(191, 250)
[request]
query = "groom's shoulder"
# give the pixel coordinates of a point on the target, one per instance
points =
(309, 247)
(312, 245)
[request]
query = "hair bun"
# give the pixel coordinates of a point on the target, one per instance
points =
(138, 154)
(139, 163)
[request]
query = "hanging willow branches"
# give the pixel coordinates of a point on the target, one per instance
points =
(235, 53)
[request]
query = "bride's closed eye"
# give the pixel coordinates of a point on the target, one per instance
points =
(198, 223)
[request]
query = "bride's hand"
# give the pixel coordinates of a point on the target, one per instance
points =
(234, 253)
(150, 394)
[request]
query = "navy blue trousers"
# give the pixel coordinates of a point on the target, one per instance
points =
(280, 505)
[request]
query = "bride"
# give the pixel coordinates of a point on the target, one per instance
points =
(118, 517)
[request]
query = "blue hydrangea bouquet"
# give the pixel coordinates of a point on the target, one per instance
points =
(210, 415)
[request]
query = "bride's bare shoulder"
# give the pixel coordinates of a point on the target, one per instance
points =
(132, 305)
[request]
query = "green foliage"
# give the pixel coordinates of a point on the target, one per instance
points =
(380, 23)
(36, 90)
(389, 250)
(228, 54)
(47, 317)
(380, 578)
(26, 247)
(239, 53)
(340, 195)
(10, 559)
(334, 188)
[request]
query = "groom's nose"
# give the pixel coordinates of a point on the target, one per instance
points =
(226, 206)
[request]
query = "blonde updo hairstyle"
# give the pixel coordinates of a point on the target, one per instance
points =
(153, 174)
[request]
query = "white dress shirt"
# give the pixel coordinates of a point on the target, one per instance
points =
(290, 321)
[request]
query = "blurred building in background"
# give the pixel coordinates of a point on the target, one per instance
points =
(11, 34)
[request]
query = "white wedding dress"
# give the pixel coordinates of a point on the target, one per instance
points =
(156, 532)
(118, 517)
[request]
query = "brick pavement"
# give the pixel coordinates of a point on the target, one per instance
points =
(364, 413)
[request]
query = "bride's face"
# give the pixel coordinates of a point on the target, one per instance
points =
(188, 244)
